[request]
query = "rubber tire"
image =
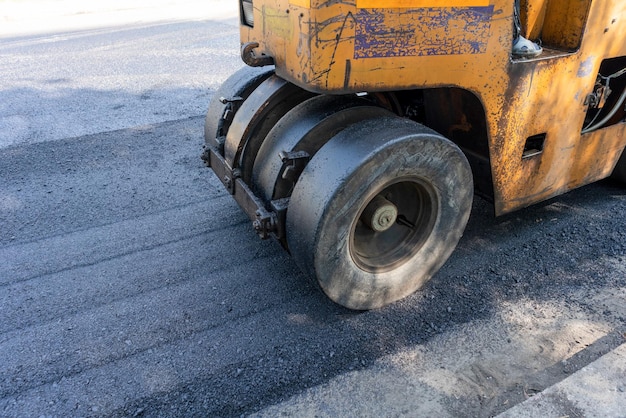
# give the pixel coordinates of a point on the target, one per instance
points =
(306, 127)
(348, 171)
(239, 84)
(289, 97)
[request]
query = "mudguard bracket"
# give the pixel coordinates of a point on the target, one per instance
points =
(265, 222)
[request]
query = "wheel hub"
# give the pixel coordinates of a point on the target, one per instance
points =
(380, 214)
(394, 225)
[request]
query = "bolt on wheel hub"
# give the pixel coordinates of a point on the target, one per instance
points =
(380, 214)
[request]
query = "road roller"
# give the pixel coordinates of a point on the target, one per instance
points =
(359, 131)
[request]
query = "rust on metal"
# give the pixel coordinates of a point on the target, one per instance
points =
(465, 45)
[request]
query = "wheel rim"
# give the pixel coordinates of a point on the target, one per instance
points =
(391, 245)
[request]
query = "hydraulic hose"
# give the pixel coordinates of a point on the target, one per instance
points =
(604, 120)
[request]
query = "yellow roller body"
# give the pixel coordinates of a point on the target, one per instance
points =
(336, 47)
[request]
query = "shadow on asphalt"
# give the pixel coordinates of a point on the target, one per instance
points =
(532, 254)
(224, 322)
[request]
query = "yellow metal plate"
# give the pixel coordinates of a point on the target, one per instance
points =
(390, 4)
(301, 3)
(277, 22)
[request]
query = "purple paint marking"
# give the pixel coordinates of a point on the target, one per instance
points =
(424, 31)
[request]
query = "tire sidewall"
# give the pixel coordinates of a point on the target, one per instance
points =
(240, 83)
(433, 160)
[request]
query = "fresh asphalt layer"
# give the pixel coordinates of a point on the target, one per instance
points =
(132, 285)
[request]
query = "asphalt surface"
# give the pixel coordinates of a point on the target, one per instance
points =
(132, 285)
(68, 71)
(595, 390)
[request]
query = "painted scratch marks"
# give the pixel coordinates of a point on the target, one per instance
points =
(424, 31)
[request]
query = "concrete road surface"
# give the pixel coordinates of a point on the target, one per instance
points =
(132, 285)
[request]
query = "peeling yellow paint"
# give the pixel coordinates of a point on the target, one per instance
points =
(342, 47)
